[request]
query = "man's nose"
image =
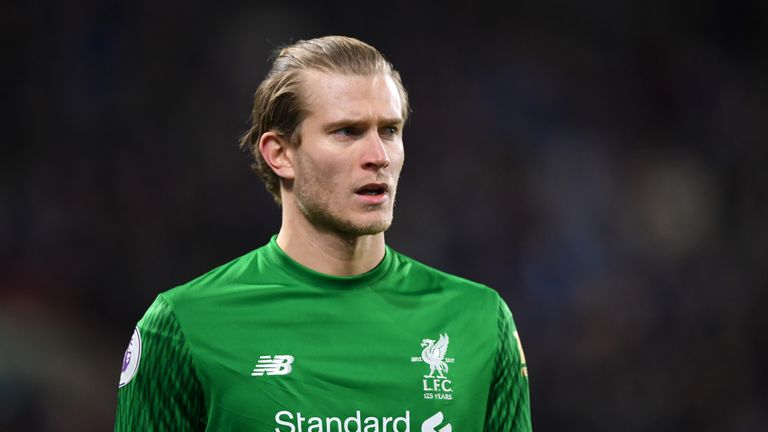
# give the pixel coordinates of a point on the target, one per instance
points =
(375, 155)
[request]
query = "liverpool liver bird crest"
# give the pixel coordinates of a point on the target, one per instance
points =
(434, 355)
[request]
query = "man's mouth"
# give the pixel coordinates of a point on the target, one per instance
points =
(373, 189)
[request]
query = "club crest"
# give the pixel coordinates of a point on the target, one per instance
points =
(435, 383)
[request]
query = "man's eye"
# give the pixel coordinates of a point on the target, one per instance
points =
(347, 132)
(389, 131)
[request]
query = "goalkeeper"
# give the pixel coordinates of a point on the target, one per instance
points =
(325, 328)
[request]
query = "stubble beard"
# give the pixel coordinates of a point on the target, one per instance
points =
(320, 213)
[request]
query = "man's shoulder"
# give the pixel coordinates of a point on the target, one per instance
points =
(220, 279)
(415, 269)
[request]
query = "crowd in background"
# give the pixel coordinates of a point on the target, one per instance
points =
(600, 164)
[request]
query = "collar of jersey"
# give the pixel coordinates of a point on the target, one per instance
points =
(292, 267)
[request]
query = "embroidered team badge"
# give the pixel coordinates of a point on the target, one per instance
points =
(436, 384)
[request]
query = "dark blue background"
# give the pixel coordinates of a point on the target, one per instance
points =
(600, 163)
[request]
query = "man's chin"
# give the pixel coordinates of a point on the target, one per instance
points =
(372, 230)
(365, 228)
(368, 223)
(362, 227)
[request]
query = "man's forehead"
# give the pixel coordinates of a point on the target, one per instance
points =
(335, 96)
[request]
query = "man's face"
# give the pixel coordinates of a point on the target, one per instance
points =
(351, 153)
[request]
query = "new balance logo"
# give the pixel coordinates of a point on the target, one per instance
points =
(277, 365)
(431, 423)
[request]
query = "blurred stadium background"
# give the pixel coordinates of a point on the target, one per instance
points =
(601, 164)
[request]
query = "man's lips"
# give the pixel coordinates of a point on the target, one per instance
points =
(372, 189)
(373, 194)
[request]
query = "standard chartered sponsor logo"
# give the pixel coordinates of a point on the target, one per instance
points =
(296, 422)
(431, 424)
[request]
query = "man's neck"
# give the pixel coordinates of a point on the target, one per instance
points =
(328, 252)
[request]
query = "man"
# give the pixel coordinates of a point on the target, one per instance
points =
(325, 328)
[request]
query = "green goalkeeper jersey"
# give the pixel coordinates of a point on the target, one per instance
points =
(266, 344)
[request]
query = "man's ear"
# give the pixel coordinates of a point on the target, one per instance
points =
(274, 149)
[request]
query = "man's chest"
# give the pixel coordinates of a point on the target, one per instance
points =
(327, 369)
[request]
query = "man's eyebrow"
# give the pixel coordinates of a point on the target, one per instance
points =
(394, 121)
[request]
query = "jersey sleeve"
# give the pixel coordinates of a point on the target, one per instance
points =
(509, 407)
(163, 392)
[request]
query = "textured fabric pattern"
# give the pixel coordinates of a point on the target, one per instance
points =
(165, 394)
(263, 343)
(508, 402)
